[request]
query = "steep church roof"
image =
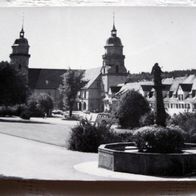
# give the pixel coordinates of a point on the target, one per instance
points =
(91, 75)
(45, 78)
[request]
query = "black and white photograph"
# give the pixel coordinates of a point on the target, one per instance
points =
(98, 93)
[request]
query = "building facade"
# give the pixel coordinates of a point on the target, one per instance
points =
(179, 94)
(95, 95)
(106, 84)
(19, 58)
(39, 80)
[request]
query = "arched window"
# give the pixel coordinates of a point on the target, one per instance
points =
(84, 106)
(79, 106)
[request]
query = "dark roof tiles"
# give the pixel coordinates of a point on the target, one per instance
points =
(45, 78)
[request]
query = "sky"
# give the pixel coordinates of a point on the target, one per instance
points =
(63, 37)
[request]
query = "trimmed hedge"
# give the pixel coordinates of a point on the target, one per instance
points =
(15, 110)
(86, 137)
(159, 139)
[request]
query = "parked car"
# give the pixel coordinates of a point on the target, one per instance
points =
(57, 113)
(105, 118)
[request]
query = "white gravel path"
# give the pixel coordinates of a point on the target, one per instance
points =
(92, 168)
(33, 160)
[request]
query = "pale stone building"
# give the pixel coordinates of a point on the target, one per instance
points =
(179, 93)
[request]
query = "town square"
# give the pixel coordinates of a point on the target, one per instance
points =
(107, 99)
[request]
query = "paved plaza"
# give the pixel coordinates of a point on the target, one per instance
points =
(37, 150)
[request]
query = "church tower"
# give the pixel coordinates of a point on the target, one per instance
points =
(19, 57)
(113, 69)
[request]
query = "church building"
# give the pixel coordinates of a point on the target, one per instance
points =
(39, 80)
(94, 96)
(106, 84)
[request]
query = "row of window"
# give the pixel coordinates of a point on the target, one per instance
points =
(178, 105)
(180, 97)
(82, 94)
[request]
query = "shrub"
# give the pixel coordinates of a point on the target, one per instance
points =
(73, 117)
(25, 115)
(2, 111)
(132, 106)
(19, 109)
(187, 122)
(158, 139)
(6, 111)
(147, 119)
(39, 105)
(15, 110)
(87, 138)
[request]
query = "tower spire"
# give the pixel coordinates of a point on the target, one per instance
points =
(113, 32)
(114, 21)
(22, 29)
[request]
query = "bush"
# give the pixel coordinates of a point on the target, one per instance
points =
(73, 117)
(187, 122)
(25, 115)
(19, 109)
(6, 111)
(147, 119)
(132, 106)
(2, 111)
(158, 139)
(87, 138)
(40, 105)
(12, 110)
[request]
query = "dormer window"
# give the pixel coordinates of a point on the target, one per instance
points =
(180, 97)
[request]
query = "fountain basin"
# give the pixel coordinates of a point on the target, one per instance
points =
(124, 157)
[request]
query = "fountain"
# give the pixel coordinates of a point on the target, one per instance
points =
(125, 157)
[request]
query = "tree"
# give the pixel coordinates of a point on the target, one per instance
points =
(45, 103)
(73, 82)
(132, 106)
(13, 85)
(160, 114)
(41, 104)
